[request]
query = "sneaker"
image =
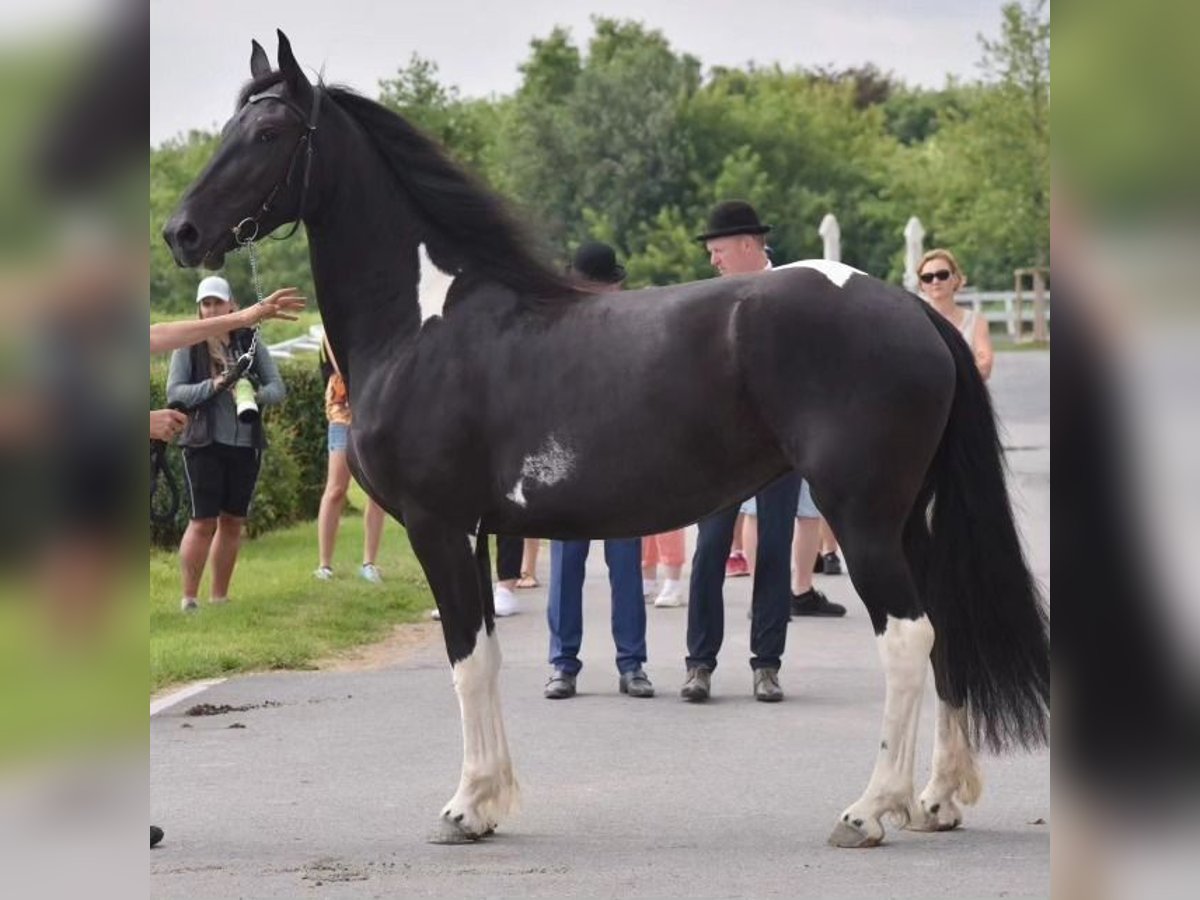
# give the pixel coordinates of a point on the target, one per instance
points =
(156, 835)
(649, 590)
(766, 685)
(635, 684)
(671, 595)
(819, 564)
(736, 566)
(813, 603)
(188, 605)
(323, 573)
(831, 563)
(435, 614)
(505, 601)
(560, 686)
(369, 572)
(698, 686)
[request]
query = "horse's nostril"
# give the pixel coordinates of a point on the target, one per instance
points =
(186, 235)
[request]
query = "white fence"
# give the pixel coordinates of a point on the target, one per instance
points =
(999, 306)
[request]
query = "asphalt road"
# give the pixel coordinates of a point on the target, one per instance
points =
(331, 785)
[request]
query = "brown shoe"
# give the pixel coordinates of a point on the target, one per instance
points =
(766, 685)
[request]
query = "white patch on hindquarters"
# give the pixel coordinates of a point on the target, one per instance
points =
(837, 272)
(487, 789)
(904, 649)
(551, 464)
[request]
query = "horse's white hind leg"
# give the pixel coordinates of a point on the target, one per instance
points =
(904, 648)
(954, 775)
(487, 789)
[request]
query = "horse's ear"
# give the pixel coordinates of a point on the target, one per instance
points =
(289, 67)
(259, 64)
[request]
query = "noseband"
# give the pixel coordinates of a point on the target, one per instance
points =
(246, 231)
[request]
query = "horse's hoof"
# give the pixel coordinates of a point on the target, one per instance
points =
(451, 832)
(849, 836)
(938, 817)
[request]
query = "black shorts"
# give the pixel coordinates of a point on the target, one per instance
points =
(221, 479)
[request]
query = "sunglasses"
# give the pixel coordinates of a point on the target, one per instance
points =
(940, 275)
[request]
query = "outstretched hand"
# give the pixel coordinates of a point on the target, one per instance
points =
(282, 304)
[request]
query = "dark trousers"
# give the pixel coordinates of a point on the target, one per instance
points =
(564, 611)
(509, 551)
(771, 604)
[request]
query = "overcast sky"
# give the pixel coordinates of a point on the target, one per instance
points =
(200, 51)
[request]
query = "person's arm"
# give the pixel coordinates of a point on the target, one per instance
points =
(982, 345)
(282, 304)
(180, 389)
(271, 389)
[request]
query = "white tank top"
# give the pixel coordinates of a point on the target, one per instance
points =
(967, 328)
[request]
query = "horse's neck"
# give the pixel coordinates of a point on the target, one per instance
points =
(363, 249)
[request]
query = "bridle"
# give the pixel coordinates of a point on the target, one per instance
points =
(304, 143)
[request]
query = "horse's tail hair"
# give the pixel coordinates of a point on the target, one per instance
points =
(991, 654)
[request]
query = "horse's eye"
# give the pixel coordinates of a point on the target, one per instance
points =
(266, 137)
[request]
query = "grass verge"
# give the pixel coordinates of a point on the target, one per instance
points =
(279, 615)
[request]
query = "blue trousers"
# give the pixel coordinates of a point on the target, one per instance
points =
(770, 608)
(564, 612)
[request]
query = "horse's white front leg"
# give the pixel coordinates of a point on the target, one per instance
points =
(487, 789)
(954, 775)
(904, 648)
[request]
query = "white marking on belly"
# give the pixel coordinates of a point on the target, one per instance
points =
(551, 464)
(837, 272)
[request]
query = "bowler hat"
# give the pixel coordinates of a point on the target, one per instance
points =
(597, 262)
(732, 217)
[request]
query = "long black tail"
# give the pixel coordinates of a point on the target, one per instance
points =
(992, 650)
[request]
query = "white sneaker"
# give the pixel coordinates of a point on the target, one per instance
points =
(505, 601)
(671, 595)
(649, 590)
(188, 605)
(370, 573)
(323, 573)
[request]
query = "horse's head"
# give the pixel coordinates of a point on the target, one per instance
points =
(257, 179)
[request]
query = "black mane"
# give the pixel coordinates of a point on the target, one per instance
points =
(469, 229)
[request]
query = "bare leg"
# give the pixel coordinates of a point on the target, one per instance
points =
(904, 648)
(224, 554)
(954, 775)
(736, 546)
(529, 558)
(829, 543)
(804, 550)
(193, 553)
(373, 531)
(333, 502)
(750, 540)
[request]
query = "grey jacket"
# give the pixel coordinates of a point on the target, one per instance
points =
(213, 419)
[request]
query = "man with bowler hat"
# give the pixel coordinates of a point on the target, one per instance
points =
(736, 244)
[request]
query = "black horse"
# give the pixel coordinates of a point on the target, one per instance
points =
(530, 407)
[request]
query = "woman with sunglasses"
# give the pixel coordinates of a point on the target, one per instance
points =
(942, 278)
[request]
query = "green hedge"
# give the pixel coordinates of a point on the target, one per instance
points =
(293, 470)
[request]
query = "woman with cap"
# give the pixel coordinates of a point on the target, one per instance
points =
(222, 450)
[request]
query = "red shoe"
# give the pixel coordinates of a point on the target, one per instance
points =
(736, 566)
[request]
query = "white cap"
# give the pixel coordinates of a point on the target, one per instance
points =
(214, 286)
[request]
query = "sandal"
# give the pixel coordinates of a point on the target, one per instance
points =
(527, 580)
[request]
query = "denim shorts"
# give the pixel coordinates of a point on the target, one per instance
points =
(339, 436)
(805, 508)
